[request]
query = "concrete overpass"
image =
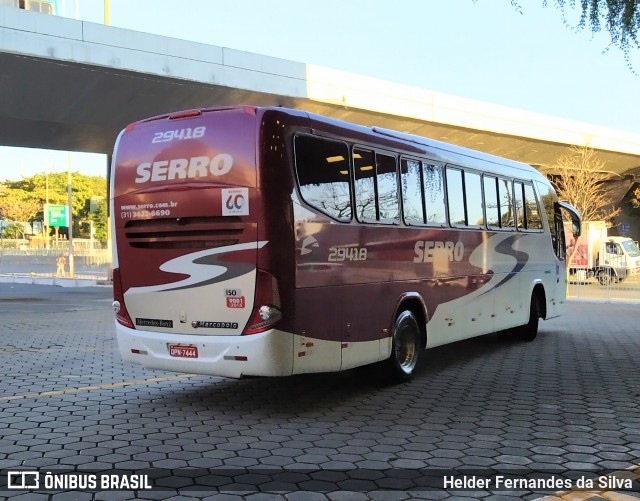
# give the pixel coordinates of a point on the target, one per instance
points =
(73, 85)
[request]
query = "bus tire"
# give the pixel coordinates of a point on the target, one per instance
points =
(405, 347)
(529, 331)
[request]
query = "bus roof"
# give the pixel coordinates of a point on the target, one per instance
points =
(434, 149)
(438, 150)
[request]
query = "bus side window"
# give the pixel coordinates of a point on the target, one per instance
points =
(531, 208)
(518, 195)
(491, 201)
(434, 199)
(506, 203)
(413, 201)
(473, 197)
(455, 197)
(365, 176)
(387, 183)
(322, 167)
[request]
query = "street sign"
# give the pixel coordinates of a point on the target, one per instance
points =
(56, 215)
(625, 228)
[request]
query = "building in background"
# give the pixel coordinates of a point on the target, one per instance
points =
(42, 6)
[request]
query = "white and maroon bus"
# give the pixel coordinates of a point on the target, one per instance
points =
(271, 241)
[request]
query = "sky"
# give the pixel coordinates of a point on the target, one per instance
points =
(485, 50)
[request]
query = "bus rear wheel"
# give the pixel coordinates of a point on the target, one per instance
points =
(405, 347)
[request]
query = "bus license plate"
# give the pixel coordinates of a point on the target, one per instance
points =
(183, 351)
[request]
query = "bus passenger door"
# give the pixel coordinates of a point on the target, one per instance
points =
(564, 253)
(555, 282)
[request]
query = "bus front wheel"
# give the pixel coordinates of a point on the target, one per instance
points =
(529, 331)
(405, 347)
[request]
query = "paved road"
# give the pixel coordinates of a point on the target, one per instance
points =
(568, 402)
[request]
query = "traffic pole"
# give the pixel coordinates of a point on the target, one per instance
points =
(69, 215)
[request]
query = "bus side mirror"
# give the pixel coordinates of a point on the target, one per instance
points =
(575, 218)
(575, 228)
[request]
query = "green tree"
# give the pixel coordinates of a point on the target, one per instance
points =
(99, 218)
(18, 208)
(52, 187)
(12, 230)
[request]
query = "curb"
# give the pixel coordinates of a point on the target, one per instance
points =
(60, 282)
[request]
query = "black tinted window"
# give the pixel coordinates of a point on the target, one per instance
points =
(518, 191)
(506, 203)
(434, 194)
(473, 196)
(534, 222)
(365, 173)
(322, 167)
(491, 201)
(455, 197)
(388, 205)
(411, 180)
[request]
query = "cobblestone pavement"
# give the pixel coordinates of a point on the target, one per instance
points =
(567, 403)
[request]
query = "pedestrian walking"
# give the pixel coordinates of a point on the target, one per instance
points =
(61, 262)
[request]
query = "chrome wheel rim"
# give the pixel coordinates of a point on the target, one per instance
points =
(406, 352)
